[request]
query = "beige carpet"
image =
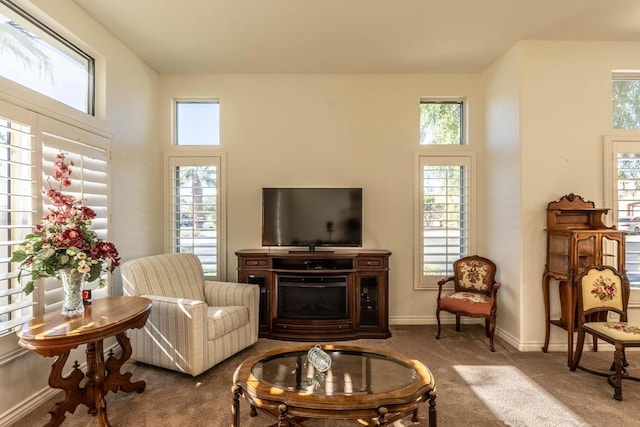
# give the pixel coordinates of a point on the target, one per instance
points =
(475, 388)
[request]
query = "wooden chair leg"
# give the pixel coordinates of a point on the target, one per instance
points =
(617, 381)
(492, 331)
(487, 328)
(578, 353)
(438, 319)
(457, 323)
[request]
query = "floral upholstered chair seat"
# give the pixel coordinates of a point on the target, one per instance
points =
(602, 289)
(474, 293)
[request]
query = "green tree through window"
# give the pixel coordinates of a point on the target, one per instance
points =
(626, 102)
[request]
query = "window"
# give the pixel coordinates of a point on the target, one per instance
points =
(16, 211)
(622, 173)
(197, 123)
(89, 178)
(441, 122)
(26, 160)
(35, 56)
(626, 100)
(195, 210)
(445, 215)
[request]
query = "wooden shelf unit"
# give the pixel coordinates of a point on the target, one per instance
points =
(577, 238)
(365, 308)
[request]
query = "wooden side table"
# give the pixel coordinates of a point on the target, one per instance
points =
(55, 335)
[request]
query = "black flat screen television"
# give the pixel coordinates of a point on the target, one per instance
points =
(312, 217)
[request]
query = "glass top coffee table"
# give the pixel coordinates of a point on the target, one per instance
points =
(373, 387)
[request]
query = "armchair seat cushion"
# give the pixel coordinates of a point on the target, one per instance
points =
(221, 320)
(467, 302)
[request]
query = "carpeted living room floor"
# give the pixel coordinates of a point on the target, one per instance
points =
(475, 387)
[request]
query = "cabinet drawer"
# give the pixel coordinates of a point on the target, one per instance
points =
(370, 263)
(255, 262)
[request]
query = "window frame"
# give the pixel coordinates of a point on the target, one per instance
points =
(174, 121)
(463, 119)
(456, 156)
(42, 127)
(614, 144)
(194, 156)
(622, 75)
(38, 26)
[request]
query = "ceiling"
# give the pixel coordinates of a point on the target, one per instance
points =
(351, 36)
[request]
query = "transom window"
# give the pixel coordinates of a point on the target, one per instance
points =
(197, 123)
(35, 56)
(441, 122)
(626, 100)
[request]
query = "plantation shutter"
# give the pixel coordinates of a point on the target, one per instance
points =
(195, 210)
(445, 198)
(17, 215)
(89, 183)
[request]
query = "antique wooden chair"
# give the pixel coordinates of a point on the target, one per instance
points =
(475, 293)
(602, 290)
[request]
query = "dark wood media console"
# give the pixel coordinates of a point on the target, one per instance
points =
(319, 295)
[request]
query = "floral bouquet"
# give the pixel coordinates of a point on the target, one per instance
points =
(63, 240)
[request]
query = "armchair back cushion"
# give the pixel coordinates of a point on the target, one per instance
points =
(168, 275)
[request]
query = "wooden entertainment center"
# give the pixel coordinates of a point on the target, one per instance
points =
(319, 295)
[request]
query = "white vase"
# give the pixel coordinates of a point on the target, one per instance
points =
(72, 284)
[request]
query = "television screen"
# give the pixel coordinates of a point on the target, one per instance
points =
(312, 217)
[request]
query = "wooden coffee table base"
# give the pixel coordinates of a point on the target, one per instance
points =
(382, 416)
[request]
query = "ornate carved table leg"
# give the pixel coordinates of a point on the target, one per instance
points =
(433, 416)
(74, 395)
(382, 416)
(115, 380)
(235, 406)
(547, 312)
(282, 415)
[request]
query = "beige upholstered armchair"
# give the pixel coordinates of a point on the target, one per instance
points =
(194, 324)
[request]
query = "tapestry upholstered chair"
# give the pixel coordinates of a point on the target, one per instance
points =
(194, 324)
(474, 293)
(602, 290)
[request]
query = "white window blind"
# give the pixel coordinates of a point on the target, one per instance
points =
(89, 183)
(623, 173)
(17, 214)
(195, 210)
(445, 215)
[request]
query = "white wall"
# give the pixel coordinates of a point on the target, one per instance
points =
(565, 111)
(127, 110)
(328, 130)
(501, 202)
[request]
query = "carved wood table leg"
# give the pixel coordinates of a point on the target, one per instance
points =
(235, 406)
(74, 395)
(282, 416)
(433, 416)
(115, 379)
(382, 416)
(547, 311)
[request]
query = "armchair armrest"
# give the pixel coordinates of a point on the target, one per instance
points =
(230, 293)
(443, 282)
